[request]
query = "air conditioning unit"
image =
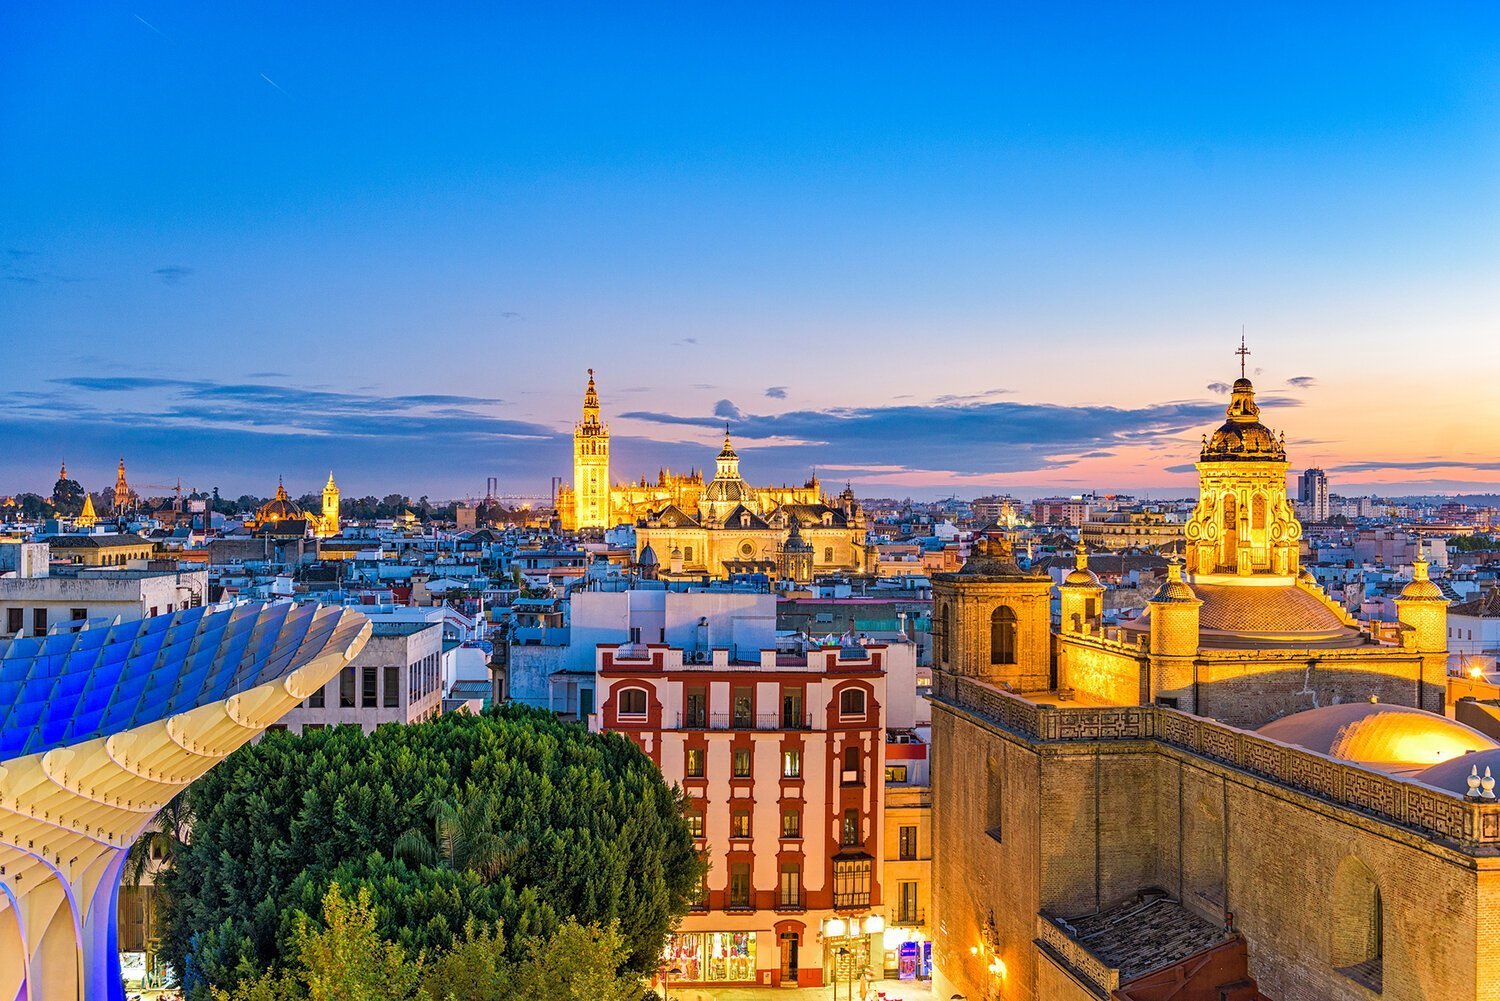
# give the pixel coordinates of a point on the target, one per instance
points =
(699, 657)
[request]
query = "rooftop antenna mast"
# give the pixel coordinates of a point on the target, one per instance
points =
(1243, 351)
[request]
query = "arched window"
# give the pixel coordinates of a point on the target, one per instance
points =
(1258, 511)
(852, 704)
(1358, 924)
(633, 702)
(1003, 636)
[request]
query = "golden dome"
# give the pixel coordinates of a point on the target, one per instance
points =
(1242, 437)
(1389, 737)
(1421, 587)
(1081, 575)
(278, 508)
(1174, 589)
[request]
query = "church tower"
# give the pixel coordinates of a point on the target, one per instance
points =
(124, 497)
(1422, 610)
(329, 524)
(591, 464)
(1243, 524)
(992, 620)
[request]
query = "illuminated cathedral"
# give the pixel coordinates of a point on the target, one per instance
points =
(716, 528)
(282, 516)
(1240, 794)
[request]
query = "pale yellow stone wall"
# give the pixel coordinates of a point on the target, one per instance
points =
(1085, 829)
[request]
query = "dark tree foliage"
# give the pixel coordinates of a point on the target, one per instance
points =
(67, 497)
(512, 816)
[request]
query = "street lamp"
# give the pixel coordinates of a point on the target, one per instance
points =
(838, 960)
(666, 981)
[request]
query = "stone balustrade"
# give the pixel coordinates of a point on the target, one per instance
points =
(1446, 816)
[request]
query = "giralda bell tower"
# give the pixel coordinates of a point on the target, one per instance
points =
(591, 464)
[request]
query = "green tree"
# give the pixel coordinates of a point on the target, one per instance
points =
(512, 817)
(343, 960)
(67, 497)
(577, 964)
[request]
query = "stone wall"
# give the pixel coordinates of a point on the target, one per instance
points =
(1252, 688)
(1111, 800)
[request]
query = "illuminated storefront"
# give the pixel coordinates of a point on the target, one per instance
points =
(713, 957)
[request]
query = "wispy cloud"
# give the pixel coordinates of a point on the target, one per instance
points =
(1416, 466)
(776, 392)
(958, 438)
(1302, 382)
(173, 274)
(1218, 388)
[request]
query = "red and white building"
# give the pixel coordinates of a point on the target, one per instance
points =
(783, 760)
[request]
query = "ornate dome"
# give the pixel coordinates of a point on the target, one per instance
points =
(1242, 437)
(279, 508)
(648, 557)
(1081, 575)
(1391, 738)
(1174, 589)
(1421, 587)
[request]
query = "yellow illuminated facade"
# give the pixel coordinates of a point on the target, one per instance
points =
(283, 512)
(87, 518)
(588, 503)
(593, 502)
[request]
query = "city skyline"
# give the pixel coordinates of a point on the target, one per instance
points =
(966, 255)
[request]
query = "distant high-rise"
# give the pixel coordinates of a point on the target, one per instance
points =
(1312, 491)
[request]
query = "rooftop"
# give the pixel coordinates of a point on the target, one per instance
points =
(386, 627)
(1143, 934)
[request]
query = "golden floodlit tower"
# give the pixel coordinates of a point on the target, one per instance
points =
(1243, 524)
(124, 496)
(328, 525)
(591, 464)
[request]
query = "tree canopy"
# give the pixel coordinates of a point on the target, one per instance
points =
(511, 818)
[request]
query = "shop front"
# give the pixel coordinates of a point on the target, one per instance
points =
(908, 954)
(713, 957)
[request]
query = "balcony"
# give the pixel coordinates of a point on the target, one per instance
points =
(743, 721)
(739, 906)
(916, 916)
(788, 901)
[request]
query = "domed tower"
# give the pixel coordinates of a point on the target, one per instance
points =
(1422, 609)
(796, 554)
(1243, 524)
(1082, 595)
(591, 464)
(992, 620)
(727, 490)
(1174, 616)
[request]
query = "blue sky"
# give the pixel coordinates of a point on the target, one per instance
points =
(954, 250)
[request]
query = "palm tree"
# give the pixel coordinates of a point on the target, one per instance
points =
(160, 842)
(464, 838)
(167, 832)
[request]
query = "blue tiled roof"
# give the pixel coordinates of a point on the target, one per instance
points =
(75, 686)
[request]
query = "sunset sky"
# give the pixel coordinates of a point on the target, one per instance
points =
(987, 248)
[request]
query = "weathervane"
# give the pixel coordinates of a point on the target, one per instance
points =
(1242, 352)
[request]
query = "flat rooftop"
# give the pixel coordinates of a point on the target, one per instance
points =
(404, 627)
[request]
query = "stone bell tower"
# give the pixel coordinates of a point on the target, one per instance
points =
(992, 620)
